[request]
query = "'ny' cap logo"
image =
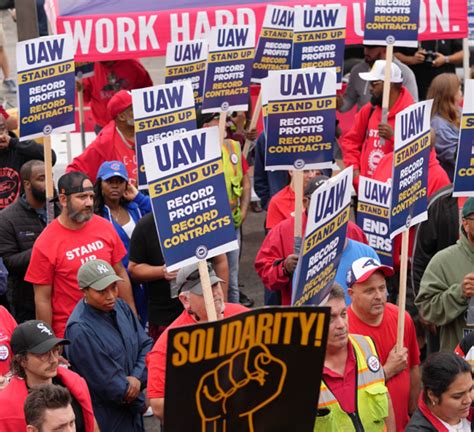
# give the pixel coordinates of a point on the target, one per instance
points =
(101, 268)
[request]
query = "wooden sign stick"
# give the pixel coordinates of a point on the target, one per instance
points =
(222, 127)
(80, 100)
(253, 123)
(402, 292)
(386, 85)
(207, 291)
(48, 172)
(298, 188)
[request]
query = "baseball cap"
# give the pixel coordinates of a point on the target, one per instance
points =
(314, 184)
(203, 118)
(112, 169)
(188, 279)
(96, 274)
(72, 183)
(34, 336)
(365, 267)
(119, 102)
(377, 73)
(468, 207)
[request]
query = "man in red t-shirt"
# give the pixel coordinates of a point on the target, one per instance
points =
(109, 78)
(188, 289)
(371, 315)
(115, 142)
(76, 236)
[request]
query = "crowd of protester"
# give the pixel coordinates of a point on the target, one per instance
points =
(89, 300)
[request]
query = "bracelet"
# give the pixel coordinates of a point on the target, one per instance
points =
(446, 59)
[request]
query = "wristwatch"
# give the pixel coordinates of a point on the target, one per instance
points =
(446, 59)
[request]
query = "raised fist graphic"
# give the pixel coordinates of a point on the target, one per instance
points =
(228, 396)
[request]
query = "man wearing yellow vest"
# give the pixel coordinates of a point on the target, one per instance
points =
(353, 395)
(238, 190)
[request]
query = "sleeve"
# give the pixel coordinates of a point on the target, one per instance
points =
(30, 149)
(106, 377)
(438, 301)
(445, 142)
(269, 259)
(15, 259)
(143, 202)
(137, 249)
(87, 85)
(412, 342)
(156, 363)
(356, 233)
(260, 176)
(40, 270)
(118, 248)
(350, 96)
(352, 141)
(143, 79)
(87, 162)
(465, 345)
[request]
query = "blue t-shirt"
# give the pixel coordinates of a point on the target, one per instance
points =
(352, 252)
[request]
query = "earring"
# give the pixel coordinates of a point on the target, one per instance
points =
(433, 402)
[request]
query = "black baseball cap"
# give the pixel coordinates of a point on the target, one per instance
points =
(72, 183)
(203, 118)
(36, 337)
(314, 184)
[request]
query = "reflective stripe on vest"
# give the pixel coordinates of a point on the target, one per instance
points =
(368, 382)
(233, 172)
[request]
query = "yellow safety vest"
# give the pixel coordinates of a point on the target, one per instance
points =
(232, 162)
(372, 399)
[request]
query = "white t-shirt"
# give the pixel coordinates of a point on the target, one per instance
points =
(129, 227)
(463, 426)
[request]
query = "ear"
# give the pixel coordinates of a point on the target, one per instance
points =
(63, 200)
(431, 397)
(184, 298)
(350, 291)
(30, 428)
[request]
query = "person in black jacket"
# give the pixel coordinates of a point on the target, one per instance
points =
(445, 404)
(13, 154)
(20, 225)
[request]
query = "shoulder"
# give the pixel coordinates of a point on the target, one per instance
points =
(71, 380)
(419, 422)
(234, 309)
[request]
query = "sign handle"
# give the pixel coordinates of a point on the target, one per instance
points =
(222, 126)
(402, 292)
(48, 171)
(386, 86)
(207, 291)
(253, 122)
(298, 188)
(80, 100)
(466, 57)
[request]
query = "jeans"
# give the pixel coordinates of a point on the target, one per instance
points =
(233, 262)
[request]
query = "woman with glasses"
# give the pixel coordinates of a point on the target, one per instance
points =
(36, 356)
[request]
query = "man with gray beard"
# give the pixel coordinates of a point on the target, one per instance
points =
(74, 237)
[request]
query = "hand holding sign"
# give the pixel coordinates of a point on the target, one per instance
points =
(251, 376)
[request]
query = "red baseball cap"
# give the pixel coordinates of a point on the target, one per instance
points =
(119, 102)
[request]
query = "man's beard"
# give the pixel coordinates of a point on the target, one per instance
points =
(38, 194)
(376, 100)
(77, 215)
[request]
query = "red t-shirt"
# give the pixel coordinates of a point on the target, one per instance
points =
(108, 80)
(280, 207)
(7, 325)
(156, 358)
(385, 337)
(343, 386)
(59, 252)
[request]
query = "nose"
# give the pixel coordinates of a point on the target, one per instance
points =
(89, 201)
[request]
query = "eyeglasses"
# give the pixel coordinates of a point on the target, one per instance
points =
(56, 352)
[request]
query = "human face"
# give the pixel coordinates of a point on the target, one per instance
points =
(80, 205)
(59, 420)
(338, 326)
(102, 300)
(371, 54)
(468, 225)
(459, 97)
(113, 188)
(41, 368)
(195, 305)
(37, 183)
(369, 297)
(376, 91)
(455, 403)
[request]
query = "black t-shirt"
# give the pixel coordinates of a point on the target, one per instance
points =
(425, 72)
(145, 249)
(76, 406)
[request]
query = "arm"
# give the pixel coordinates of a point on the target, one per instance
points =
(352, 142)
(442, 59)
(125, 288)
(158, 407)
(143, 202)
(15, 259)
(145, 272)
(438, 301)
(30, 149)
(221, 267)
(411, 60)
(145, 344)
(87, 162)
(446, 140)
(245, 198)
(415, 385)
(260, 176)
(390, 421)
(43, 307)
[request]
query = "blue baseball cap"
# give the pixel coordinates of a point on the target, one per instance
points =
(112, 169)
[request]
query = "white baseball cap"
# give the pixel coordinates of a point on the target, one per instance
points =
(365, 267)
(377, 73)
